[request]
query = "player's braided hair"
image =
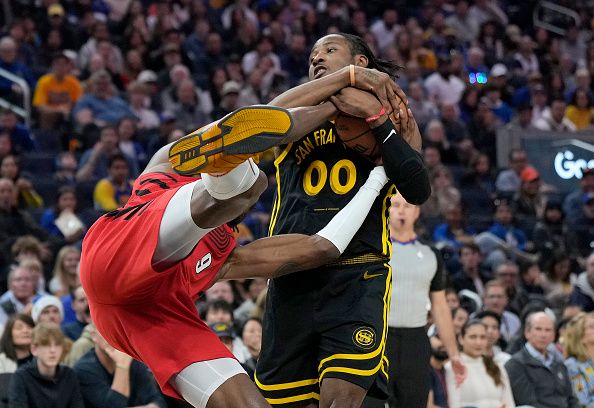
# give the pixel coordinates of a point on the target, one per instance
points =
(359, 46)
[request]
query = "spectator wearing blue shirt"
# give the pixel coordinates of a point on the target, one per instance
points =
(20, 136)
(8, 55)
(100, 106)
(579, 348)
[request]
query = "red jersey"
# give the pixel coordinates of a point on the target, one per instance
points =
(143, 312)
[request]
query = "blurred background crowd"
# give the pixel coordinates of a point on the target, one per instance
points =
(90, 89)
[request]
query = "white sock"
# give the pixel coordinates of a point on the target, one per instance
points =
(343, 226)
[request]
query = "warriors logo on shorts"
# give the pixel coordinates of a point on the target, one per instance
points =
(364, 337)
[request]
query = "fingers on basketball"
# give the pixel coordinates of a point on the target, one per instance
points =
(356, 135)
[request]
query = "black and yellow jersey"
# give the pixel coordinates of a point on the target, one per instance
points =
(317, 176)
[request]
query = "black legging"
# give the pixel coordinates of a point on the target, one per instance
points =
(408, 352)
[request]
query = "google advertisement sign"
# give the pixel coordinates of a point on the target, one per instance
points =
(567, 166)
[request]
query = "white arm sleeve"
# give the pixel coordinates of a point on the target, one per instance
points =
(344, 225)
(178, 233)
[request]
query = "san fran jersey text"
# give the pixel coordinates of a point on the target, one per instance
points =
(317, 176)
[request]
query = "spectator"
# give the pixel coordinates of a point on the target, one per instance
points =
(471, 276)
(483, 129)
(423, 108)
(540, 106)
(443, 86)
(550, 231)
(582, 294)
(573, 203)
(94, 163)
(452, 234)
(138, 97)
(251, 290)
(555, 118)
(263, 50)
(5, 144)
(581, 111)
(445, 194)
(220, 310)
(385, 29)
(579, 349)
(66, 166)
(508, 181)
(525, 59)
(20, 136)
(538, 376)
(111, 378)
(435, 135)
(507, 273)
(80, 305)
(127, 135)
(251, 335)
(438, 396)
(462, 23)
(487, 383)
(15, 343)
(495, 300)
(229, 99)
(100, 106)
(500, 108)
(189, 112)
(26, 196)
(113, 191)
(48, 310)
(65, 275)
(61, 220)
(56, 93)
(8, 62)
(492, 322)
(82, 345)
(528, 203)
(19, 297)
(43, 382)
(559, 280)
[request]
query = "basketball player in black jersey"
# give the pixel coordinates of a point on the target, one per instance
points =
(324, 331)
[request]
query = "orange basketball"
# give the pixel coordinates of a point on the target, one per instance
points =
(356, 134)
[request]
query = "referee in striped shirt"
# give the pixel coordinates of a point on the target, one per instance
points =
(418, 286)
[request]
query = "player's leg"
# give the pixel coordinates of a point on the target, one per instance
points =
(341, 393)
(220, 383)
(352, 360)
(222, 145)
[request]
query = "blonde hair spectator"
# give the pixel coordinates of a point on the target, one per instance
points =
(65, 276)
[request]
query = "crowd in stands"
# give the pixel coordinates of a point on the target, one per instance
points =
(112, 81)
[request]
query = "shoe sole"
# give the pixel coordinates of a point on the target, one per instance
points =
(248, 130)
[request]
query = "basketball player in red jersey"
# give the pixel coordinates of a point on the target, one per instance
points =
(143, 265)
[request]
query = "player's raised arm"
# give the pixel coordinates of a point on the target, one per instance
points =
(282, 254)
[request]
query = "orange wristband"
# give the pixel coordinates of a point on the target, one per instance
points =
(376, 117)
(352, 72)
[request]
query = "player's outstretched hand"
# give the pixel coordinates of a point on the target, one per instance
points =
(355, 102)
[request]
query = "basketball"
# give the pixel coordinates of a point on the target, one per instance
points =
(356, 134)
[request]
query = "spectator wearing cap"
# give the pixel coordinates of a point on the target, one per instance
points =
(508, 181)
(581, 229)
(550, 231)
(100, 106)
(48, 309)
(538, 376)
(225, 333)
(149, 79)
(528, 203)
(572, 205)
(56, 20)
(229, 99)
(554, 119)
(56, 93)
(499, 79)
(583, 291)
